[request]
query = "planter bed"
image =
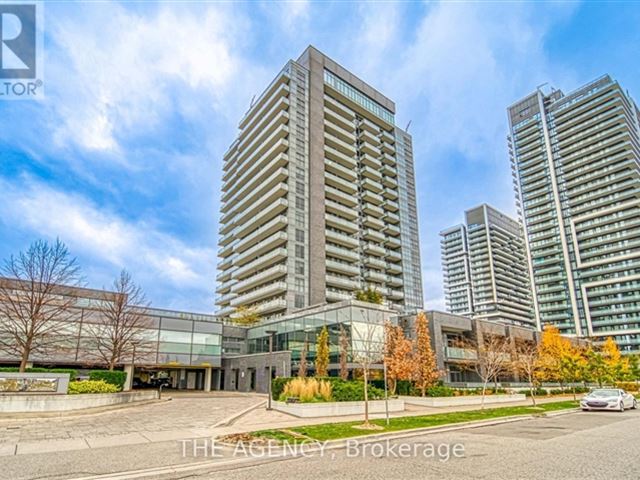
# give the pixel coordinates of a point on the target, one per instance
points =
(462, 400)
(34, 402)
(336, 409)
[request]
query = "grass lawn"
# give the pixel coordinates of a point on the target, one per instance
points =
(334, 431)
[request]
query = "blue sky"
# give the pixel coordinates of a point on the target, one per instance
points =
(122, 160)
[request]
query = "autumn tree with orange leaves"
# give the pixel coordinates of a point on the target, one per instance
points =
(398, 356)
(425, 371)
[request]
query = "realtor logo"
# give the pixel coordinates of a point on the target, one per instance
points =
(21, 50)
(18, 37)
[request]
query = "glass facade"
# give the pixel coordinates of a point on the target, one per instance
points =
(363, 325)
(411, 265)
(358, 97)
(168, 338)
(576, 163)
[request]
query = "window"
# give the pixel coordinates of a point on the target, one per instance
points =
(299, 268)
(299, 235)
(299, 251)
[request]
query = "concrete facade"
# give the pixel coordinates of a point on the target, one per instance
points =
(448, 331)
(485, 268)
(318, 197)
(250, 373)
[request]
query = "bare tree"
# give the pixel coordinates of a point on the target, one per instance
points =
(493, 359)
(368, 349)
(34, 297)
(120, 327)
(302, 369)
(344, 352)
(526, 364)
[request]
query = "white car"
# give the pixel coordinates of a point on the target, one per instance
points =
(608, 399)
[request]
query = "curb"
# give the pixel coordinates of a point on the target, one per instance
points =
(232, 419)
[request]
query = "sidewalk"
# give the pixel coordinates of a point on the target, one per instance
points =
(185, 418)
(261, 419)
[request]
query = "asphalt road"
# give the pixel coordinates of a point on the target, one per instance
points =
(583, 445)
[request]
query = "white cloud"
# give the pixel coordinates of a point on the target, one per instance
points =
(468, 62)
(109, 241)
(119, 73)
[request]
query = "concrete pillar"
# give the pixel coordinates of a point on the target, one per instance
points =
(29, 365)
(128, 383)
(207, 379)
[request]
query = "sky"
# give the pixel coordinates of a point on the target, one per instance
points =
(122, 160)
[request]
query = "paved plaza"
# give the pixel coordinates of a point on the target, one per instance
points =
(183, 416)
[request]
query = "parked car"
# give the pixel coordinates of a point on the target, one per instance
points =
(608, 399)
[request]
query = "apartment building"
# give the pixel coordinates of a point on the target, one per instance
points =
(485, 268)
(311, 192)
(576, 166)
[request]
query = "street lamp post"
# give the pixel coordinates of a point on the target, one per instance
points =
(133, 362)
(271, 333)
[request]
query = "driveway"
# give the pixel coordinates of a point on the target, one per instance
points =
(183, 415)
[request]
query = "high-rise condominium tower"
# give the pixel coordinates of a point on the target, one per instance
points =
(576, 166)
(318, 196)
(485, 268)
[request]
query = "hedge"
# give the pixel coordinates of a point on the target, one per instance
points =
(115, 377)
(342, 390)
(628, 386)
(91, 386)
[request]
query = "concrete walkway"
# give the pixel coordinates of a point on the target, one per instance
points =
(185, 417)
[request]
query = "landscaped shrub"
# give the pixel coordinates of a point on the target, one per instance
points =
(115, 377)
(538, 392)
(341, 390)
(628, 386)
(307, 390)
(91, 386)
(352, 391)
(277, 386)
(439, 391)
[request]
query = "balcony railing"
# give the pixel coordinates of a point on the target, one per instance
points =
(461, 353)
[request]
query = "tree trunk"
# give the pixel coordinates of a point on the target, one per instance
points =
(366, 397)
(532, 391)
(24, 360)
(393, 384)
(484, 390)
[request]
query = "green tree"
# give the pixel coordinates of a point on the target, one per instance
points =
(370, 295)
(322, 353)
(597, 369)
(634, 368)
